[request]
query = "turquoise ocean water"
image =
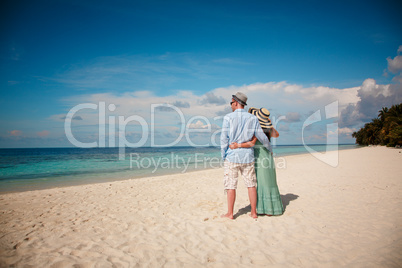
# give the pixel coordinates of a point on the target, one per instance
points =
(41, 168)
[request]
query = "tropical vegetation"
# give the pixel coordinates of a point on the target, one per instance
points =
(386, 129)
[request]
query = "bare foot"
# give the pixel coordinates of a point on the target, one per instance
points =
(227, 215)
(253, 215)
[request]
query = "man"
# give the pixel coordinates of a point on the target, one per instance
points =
(240, 126)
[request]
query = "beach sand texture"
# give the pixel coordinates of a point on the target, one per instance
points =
(348, 216)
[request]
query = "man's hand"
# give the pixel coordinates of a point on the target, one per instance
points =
(234, 145)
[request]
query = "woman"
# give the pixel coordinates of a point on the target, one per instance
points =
(268, 197)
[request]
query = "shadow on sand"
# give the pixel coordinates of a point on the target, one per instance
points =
(285, 201)
(287, 198)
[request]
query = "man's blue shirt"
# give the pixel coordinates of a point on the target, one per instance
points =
(240, 127)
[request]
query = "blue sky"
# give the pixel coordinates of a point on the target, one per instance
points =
(292, 57)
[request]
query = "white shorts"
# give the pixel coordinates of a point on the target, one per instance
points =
(231, 175)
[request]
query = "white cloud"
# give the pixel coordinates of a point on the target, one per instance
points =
(395, 64)
(280, 98)
(292, 89)
(346, 131)
(372, 97)
(292, 117)
(198, 125)
(211, 98)
(181, 104)
(356, 104)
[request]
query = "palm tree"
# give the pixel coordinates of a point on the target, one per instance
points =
(394, 114)
(382, 113)
(384, 130)
(393, 122)
(375, 128)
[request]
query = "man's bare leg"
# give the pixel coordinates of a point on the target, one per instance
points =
(252, 195)
(231, 200)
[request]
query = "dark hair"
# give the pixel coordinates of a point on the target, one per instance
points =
(267, 132)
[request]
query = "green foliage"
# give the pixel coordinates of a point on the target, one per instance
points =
(386, 129)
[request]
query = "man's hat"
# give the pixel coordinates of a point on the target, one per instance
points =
(240, 98)
(262, 115)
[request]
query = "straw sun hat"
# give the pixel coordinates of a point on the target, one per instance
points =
(262, 115)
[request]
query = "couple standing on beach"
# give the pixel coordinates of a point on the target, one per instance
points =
(240, 131)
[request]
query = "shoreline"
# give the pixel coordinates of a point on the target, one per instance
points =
(38, 184)
(189, 146)
(349, 215)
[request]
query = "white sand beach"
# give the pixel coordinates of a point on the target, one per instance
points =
(348, 216)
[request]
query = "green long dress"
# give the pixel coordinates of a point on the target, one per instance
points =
(268, 197)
